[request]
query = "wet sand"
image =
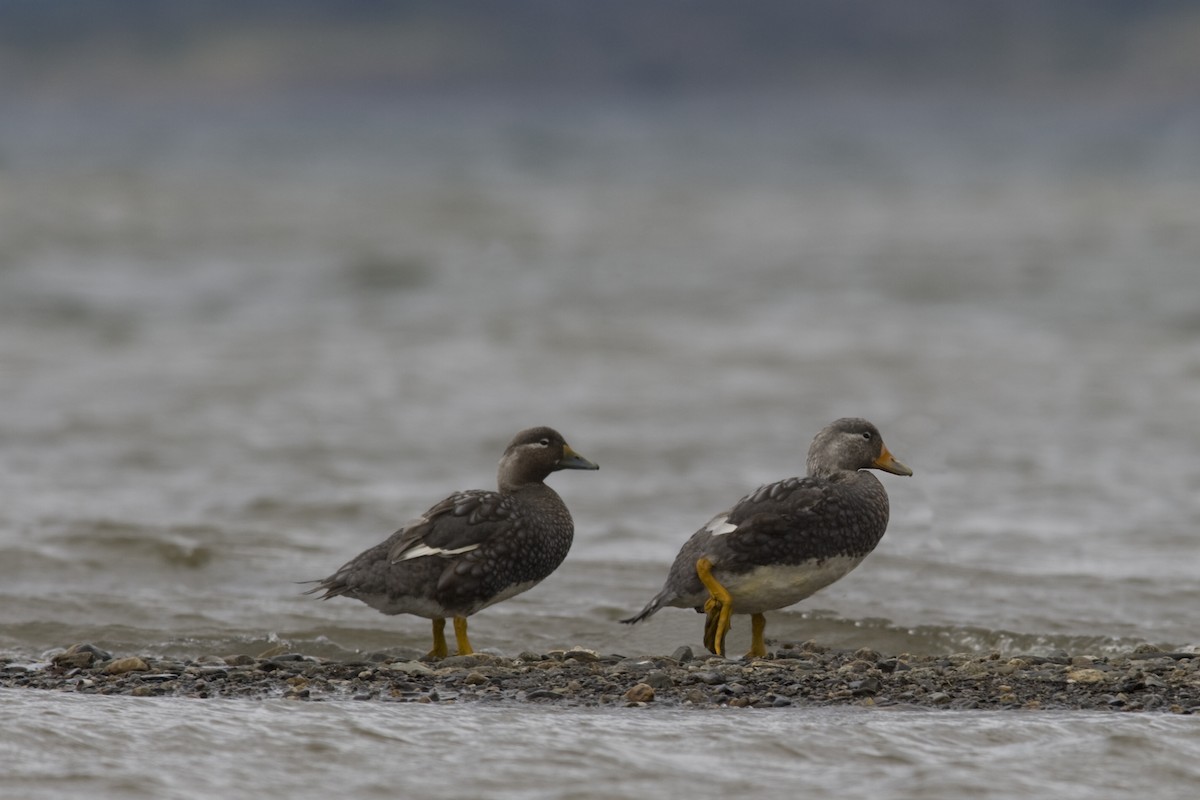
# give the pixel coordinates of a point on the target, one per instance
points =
(804, 674)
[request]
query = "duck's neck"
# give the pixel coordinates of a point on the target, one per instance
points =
(512, 484)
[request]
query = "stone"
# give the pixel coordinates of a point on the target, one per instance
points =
(1086, 676)
(122, 665)
(466, 662)
(81, 655)
(72, 660)
(407, 668)
(657, 679)
(640, 693)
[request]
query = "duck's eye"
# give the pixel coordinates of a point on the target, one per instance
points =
(544, 442)
(867, 435)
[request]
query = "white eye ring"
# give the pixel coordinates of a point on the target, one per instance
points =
(544, 442)
(867, 435)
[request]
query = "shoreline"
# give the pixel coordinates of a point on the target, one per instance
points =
(800, 675)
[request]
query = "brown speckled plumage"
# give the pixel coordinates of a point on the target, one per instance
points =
(474, 548)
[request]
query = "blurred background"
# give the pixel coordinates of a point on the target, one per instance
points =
(276, 276)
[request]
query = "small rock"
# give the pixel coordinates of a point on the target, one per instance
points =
(160, 677)
(122, 665)
(640, 693)
(240, 660)
(939, 698)
(475, 679)
(582, 655)
(657, 679)
(211, 671)
(465, 662)
(683, 654)
(1085, 676)
(72, 660)
(1154, 682)
(81, 655)
(407, 668)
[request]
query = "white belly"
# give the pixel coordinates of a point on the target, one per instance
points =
(767, 588)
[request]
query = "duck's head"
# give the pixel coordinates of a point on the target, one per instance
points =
(533, 454)
(848, 445)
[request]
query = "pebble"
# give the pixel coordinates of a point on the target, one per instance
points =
(640, 693)
(122, 665)
(806, 675)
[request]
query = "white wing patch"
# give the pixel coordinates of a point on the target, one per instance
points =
(720, 525)
(425, 550)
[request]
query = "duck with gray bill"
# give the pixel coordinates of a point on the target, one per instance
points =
(786, 540)
(473, 549)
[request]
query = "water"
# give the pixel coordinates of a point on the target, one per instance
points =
(240, 345)
(164, 749)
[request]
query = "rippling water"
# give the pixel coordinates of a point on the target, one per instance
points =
(65, 745)
(238, 347)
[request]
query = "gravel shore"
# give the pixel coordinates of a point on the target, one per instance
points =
(806, 675)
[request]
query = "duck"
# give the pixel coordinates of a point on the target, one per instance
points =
(785, 540)
(475, 548)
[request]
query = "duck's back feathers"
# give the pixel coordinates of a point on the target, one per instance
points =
(470, 550)
(458, 524)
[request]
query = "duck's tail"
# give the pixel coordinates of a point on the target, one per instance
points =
(653, 606)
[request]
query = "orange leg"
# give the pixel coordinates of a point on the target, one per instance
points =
(439, 639)
(460, 636)
(718, 608)
(758, 649)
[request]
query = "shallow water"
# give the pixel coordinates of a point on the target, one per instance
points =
(64, 745)
(239, 346)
